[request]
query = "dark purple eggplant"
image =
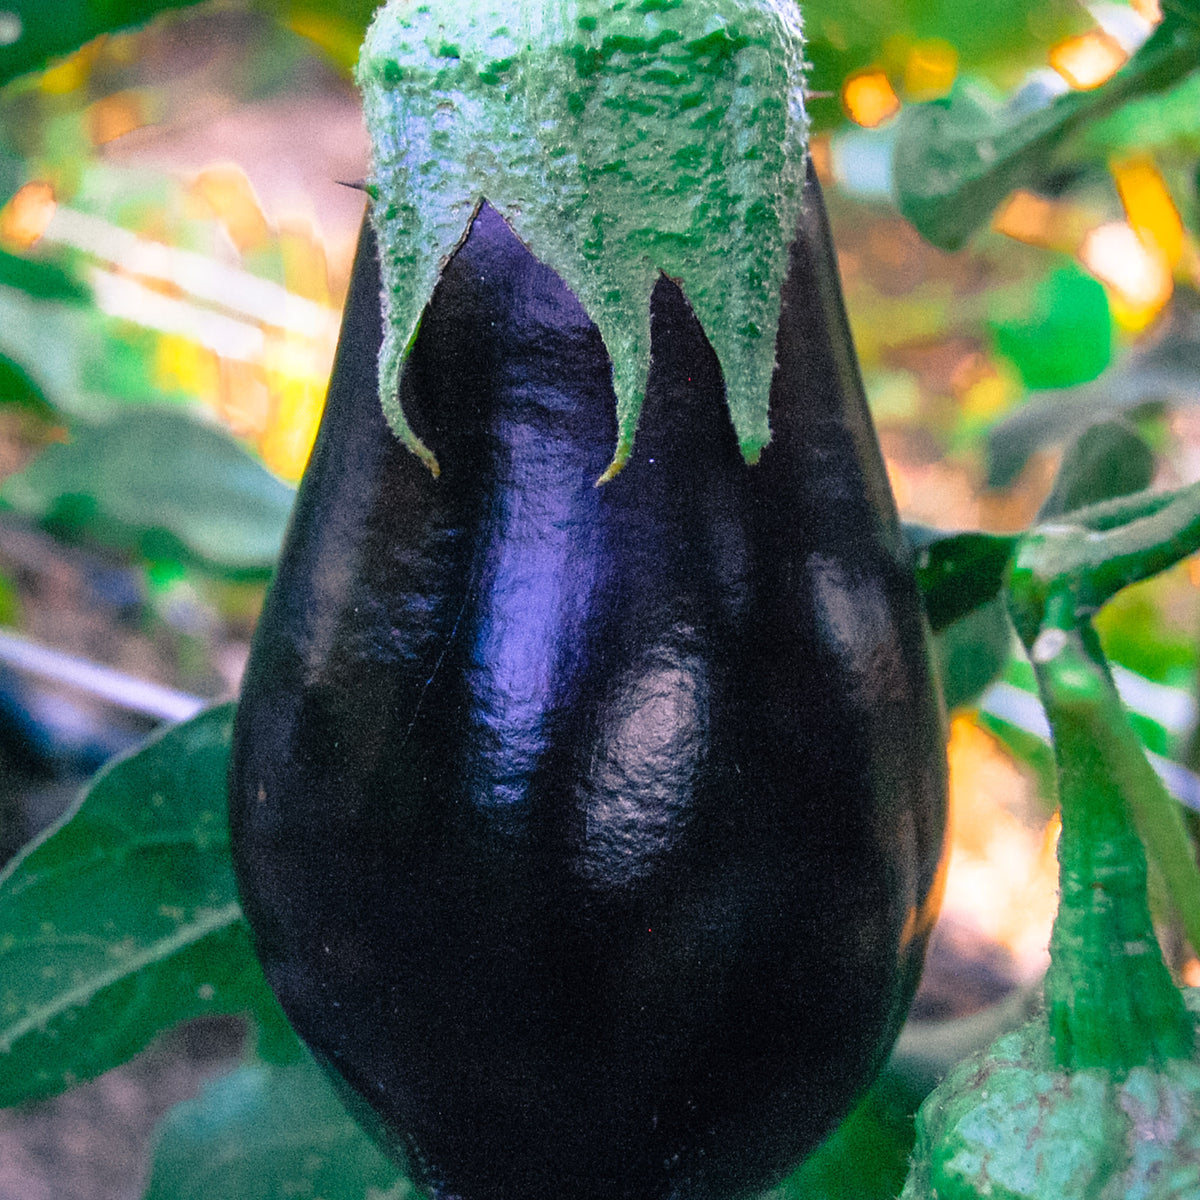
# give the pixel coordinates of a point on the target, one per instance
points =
(591, 834)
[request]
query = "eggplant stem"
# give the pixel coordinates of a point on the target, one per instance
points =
(1110, 999)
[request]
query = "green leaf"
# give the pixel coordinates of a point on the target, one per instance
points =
(1066, 337)
(18, 389)
(41, 29)
(42, 280)
(866, 1157)
(267, 1132)
(957, 158)
(65, 351)
(160, 482)
(972, 652)
(1163, 370)
(1170, 122)
(1108, 459)
(958, 572)
(123, 920)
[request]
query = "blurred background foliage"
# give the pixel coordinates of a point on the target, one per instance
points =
(1015, 193)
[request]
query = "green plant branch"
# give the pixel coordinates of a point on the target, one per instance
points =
(957, 158)
(1094, 555)
(1062, 573)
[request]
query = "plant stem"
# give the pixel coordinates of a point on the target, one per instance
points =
(1110, 999)
(1071, 568)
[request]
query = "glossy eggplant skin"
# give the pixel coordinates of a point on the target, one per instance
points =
(591, 834)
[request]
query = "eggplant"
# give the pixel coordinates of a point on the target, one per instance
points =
(591, 834)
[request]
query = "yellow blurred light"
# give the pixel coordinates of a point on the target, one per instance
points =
(182, 364)
(1037, 221)
(27, 215)
(292, 357)
(288, 439)
(116, 115)
(339, 38)
(1136, 274)
(869, 99)
(1088, 60)
(71, 73)
(930, 69)
(1190, 975)
(297, 374)
(225, 191)
(1148, 205)
(988, 396)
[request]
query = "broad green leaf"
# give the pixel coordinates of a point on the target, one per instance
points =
(1154, 124)
(38, 30)
(50, 344)
(18, 389)
(957, 158)
(42, 280)
(1108, 459)
(66, 351)
(122, 920)
(971, 653)
(161, 482)
(958, 572)
(263, 1133)
(866, 1157)
(1163, 370)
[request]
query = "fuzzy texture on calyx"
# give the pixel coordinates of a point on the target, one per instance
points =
(1010, 1124)
(618, 140)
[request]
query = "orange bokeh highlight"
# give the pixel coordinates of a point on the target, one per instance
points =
(1088, 60)
(1038, 221)
(27, 215)
(224, 191)
(116, 115)
(869, 99)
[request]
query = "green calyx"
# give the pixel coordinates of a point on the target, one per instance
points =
(619, 141)
(1010, 1125)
